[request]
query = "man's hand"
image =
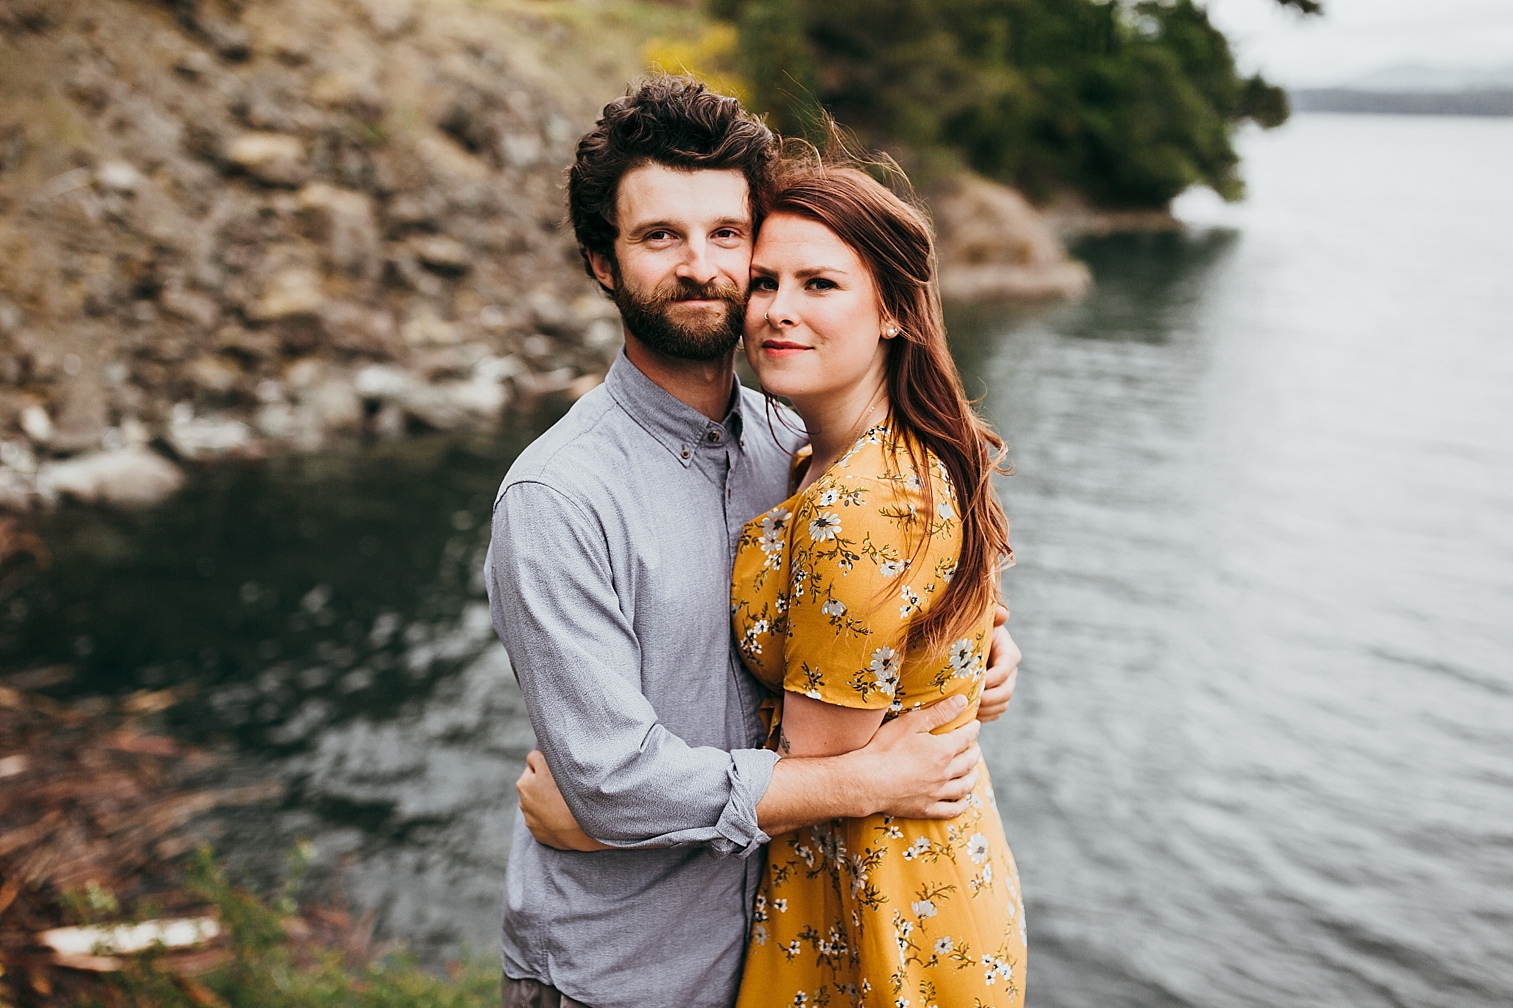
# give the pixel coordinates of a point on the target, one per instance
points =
(1003, 671)
(904, 771)
(547, 816)
(929, 776)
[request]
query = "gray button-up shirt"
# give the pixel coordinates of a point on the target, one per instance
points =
(609, 583)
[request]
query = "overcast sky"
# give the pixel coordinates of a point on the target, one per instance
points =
(1356, 37)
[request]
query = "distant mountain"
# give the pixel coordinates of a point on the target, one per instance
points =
(1466, 103)
(1420, 79)
(1417, 90)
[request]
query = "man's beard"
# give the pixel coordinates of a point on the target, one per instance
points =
(710, 335)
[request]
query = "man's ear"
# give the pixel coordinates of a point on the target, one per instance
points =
(603, 271)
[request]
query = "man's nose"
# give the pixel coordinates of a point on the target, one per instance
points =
(696, 265)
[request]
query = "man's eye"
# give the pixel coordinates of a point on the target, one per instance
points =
(658, 235)
(728, 233)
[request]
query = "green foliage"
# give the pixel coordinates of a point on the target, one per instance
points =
(269, 970)
(1129, 103)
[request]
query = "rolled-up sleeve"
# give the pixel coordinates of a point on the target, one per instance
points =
(628, 780)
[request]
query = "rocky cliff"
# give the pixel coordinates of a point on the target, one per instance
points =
(229, 227)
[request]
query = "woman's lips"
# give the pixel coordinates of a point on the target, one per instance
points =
(782, 348)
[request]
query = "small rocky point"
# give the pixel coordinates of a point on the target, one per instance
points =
(229, 227)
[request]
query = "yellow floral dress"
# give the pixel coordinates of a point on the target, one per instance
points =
(876, 911)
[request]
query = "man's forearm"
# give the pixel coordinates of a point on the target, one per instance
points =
(905, 770)
(808, 790)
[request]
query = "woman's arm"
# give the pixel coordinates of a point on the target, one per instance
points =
(812, 727)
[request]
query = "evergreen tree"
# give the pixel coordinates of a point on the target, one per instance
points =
(1128, 103)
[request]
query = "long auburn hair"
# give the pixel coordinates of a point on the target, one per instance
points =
(894, 238)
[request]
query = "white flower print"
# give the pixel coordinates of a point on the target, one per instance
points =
(780, 905)
(858, 867)
(825, 527)
(759, 934)
(827, 498)
(963, 658)
(884, 669)
(923, 909)
(943, 945)
(919, 848)
(977, 848)
(891, 568)
(911, 602)
(800, 999)
(913, 482)
(834, 607)
(943, 510)
(997, 969)
(987, 873)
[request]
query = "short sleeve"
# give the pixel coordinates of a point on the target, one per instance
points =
(871, 551)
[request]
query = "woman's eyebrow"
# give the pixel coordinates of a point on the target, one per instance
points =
(812, 271)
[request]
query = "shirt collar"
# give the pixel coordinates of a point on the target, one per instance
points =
(677, 426)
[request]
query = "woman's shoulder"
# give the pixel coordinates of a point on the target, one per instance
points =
(887, 481)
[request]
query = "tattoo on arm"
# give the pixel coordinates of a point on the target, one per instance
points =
(782, 740)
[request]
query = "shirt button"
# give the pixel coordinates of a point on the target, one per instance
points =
(714, 435)
(686, 453)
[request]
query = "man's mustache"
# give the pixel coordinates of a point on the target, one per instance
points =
(687, 290)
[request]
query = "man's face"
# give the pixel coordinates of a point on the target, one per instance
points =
(683, 257)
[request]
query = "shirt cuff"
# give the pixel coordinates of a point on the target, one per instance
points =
(737, 832)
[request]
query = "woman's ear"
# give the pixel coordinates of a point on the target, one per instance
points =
(890, 329)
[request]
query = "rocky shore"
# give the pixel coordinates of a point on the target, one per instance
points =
(236, 227)
(241, 227)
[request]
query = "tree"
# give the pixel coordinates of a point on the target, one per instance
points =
(1128, 103)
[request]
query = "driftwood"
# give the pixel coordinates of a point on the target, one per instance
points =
(94, 813)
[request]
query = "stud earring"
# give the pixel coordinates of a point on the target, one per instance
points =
(890, 332)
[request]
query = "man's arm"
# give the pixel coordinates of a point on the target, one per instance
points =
(904, 771)
(625, 777)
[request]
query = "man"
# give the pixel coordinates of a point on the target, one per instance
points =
(613, 536)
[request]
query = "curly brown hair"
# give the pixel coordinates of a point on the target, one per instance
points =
(668, 120)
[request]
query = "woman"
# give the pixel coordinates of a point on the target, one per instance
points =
(868, 592)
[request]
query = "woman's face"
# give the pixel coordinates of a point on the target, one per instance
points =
(813, 320)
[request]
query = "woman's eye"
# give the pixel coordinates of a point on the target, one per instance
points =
(763, 284)
(820, 283)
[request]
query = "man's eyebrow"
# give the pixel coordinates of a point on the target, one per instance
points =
(667, 225)
(655, 225)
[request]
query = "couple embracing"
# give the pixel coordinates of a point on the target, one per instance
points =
(756, 647)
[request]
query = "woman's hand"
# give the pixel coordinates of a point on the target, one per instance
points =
(1003, 671)
(547, 816)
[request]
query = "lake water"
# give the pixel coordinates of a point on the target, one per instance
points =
(1262, 751)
